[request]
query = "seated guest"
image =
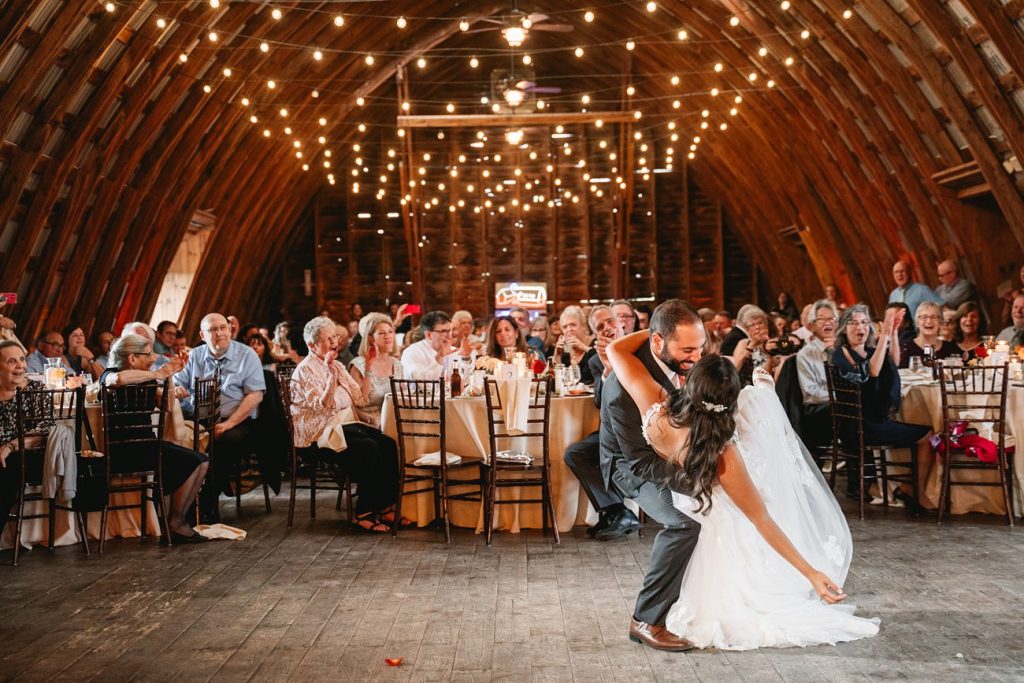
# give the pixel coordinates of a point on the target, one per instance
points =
(180, 347)
(947, 326)
(235, 325)
(504, 336)
(462, 334)
(323, 393)
(953, 289)
(928, 316)
(521, 317)
(103, 342)
(832, 294)
(479, 335)
(1008, 292)
(166, 332)
(258, 343)
(14, 376)
(345, 354)
(539, 329)
(241, 391)
(778, 325)
(49, 346)
(643, 318)
(816, 425)
(584, 457)
(806, 330)
(711, 342)
(747, 345)
(1014, 334)
(427, 358)
(721, 325)
(183, 469)
(908, 291)
(375, 365)
(399, 318)
(280, 346)
(78, 354)
(572, 345)
(968, 330)
(246, 331)
(625, 315)
(785, 307)
(861, 361)
(144, 330)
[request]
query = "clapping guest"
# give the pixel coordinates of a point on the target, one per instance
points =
(78, 355)
(375, 365)
(969, 329)
(180, 347)
(183, 469)
(49, 346)
(324, 393)
(862, 361)
(928, 316)
(462, 334)
(624, 314)
(747, 345)
(427, 359)
(573, 344)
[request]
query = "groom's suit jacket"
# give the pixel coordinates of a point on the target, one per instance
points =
(623, 447)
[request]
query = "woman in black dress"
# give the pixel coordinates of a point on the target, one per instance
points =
(863, 362)
(929, 319)
(184, 469)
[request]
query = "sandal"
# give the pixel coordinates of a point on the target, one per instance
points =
(388, 516)
(368, 522)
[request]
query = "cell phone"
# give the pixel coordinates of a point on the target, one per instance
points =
(412, 309)
(8, 298)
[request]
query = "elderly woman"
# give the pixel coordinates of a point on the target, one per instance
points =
(747, 344)
(861, 361)
(14, 376)
(183, 469)
(375, 365)
(323, 394)
(928, 318)
(572, 344)
(969, 328)
(540, 329)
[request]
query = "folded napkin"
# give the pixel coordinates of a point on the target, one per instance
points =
(515, 403)
(434, 459)
(220, 531)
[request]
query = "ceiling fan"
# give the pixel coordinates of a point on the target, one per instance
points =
(516, 26)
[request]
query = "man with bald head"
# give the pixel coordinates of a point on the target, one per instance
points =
(241, 391)
(1014, 334)
(953, 289)
(907, 291)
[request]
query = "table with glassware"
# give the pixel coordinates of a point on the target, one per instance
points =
(922, 404)
(572, 418)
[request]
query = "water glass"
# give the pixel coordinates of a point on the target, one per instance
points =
(914, 364)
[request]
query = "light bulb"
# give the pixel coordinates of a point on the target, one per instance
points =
(401, 22)
(318, 55)
(421, 63)
(227, 72)
(630, 45)
(734, 21)
(463, 25)
(161, 23)
(682, 35)
(369, 60)
(339, 20)
(276, 13)
(652, 6)
(514, 35)
(264, 47)
(588, 16)
(578, 52)
(474, 62)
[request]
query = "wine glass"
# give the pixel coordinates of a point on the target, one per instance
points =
(509, 353)
(573, 375)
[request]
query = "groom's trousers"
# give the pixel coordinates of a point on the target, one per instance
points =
(670, 553)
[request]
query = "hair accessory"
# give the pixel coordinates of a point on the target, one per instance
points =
(713, 407)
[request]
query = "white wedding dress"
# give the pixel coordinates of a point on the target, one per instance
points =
(737, 592)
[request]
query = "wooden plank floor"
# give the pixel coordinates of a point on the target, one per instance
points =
(324, 603)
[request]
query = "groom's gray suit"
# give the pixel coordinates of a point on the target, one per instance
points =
(630, 465)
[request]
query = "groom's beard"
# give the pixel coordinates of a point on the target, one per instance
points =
(681, 368)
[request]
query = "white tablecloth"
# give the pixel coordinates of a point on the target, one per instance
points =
(572, 418)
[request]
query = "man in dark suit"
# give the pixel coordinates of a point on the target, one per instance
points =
(636, 471)
(584, 457)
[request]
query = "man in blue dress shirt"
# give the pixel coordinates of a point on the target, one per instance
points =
(909, 292)
(241, 391)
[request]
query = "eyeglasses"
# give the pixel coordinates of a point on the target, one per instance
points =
(822, 321)
(858, 323)
(446, 332)
(927, 317)
(59, 345)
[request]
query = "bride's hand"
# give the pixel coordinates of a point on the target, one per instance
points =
(827, 589)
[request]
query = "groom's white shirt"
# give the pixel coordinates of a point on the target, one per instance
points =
(672, 377)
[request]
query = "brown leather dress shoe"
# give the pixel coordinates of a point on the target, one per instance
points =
(658, 637)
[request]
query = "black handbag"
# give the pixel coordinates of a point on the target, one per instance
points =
(91, 491)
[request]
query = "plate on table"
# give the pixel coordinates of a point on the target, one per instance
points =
(580, 392)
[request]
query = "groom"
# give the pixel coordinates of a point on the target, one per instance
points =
(632, 467)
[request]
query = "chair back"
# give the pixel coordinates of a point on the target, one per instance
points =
(974, 394)
(538, 422)
(206, 403)
(419, 413)
(37, 411)
(134, 414)
(845, 404)
(283, 374)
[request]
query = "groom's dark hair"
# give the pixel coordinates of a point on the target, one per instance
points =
(670, 314)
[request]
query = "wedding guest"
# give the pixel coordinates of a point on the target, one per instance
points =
(427, 358)
(375, 365)
(411, 337)
(245, 332)
(721, 325)
(323, 392)
(953, 289)
(103, 342)
(584, 457)
(806, 329)
(235, 326)
(522, 319)
(180, 347)
(258, 343)
(1009, 295)
(540, 329)
(711, 341)
(1014, 333)
(183, 469)
(462, 329)
(401, 319)
(556, 329)
(280, 346)
(908, 291)
(78, 355)
(241, 391)
(143, 330)
(748, 344)
(947, 326)
(573, 347)
(50, 345)
(785, 307)
(643, 318)
(928, 316)
(862, 361)
(479, 335)
(345, 353)
(832, 294)
(969, 329)
(166, 332)
(816, 425)
(625, 315)
(778, 325)
(504, 334)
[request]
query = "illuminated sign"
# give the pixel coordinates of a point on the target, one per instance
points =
(529, 295)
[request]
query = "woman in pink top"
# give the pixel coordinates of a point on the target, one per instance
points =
(321, 388)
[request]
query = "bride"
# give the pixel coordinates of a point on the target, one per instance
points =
(772, 533)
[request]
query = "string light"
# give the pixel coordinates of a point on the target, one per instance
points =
(227, 73)
(276, 14)
(161, 22)
(789, 61)
(652, 6)
(421, 63)
(474, 62)
(805, 34)
(401, 22)
(763, 52)
(588, 16)
(245, 101)
(682, 35)
(109, 7)
(264, 47)
(847, 14)
(630, 45)
(368, 60)
(183, 58)
(719, 67)
(734, 21)
(463, 25)
(212, 35)
(578, 52)
(785, 5)
(527, 60)
(339, 20)
(271, 85)
(207, 89)
(318, 55)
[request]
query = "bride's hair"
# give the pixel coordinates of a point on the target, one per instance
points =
(706, 406)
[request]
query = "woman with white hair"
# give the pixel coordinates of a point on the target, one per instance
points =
(323, 395)
(376, 364)
(748, 343)
(573, 345)
(928, 318)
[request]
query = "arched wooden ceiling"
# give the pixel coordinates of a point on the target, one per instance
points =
(111, 140)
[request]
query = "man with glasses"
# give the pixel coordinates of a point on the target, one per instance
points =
(50, 345)
(426, 359)
(241, 392)
(816, 424)
(625, 316)
(953, 289)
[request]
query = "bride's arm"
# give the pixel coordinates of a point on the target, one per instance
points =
(632, 374)
(732, 475)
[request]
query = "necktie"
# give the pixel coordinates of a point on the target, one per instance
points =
(218, 368)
